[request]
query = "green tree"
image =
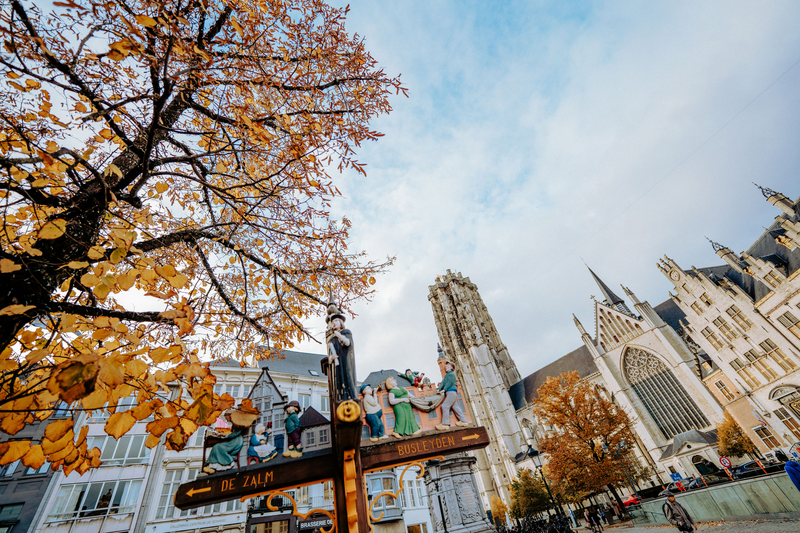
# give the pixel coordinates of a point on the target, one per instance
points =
(733, 442)
(528, 495)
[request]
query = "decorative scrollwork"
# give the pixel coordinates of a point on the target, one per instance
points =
(395, 495)
(301, 516)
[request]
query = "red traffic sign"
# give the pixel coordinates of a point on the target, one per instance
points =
(724, 461)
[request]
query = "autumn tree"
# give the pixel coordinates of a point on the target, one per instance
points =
(499, 510)
(528, 495)
(733, 441)
(583, 420)
(165, 198)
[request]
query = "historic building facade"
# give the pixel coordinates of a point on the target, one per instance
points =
(486, 372)
(636, 357)
(744, 315)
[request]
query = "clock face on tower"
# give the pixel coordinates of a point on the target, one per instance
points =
(675, 275)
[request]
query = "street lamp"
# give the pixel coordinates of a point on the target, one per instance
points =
(536, 457)
(623, 446)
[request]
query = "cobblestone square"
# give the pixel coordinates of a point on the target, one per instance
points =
(750, 526)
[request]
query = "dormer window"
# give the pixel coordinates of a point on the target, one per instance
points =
(705, 299)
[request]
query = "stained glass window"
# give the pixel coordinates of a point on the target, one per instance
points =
(665, 399)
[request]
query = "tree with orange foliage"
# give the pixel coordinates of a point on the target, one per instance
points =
(583, 420)
(165, 196)
(733, 441)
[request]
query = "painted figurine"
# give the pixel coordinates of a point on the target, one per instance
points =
(225, 453)
(260, 448)
(404, 423)
(450, 389)
(414, 378)
(373, 413)
(293, 430)
(341, 355)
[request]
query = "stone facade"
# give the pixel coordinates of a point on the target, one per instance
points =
(486, 371)
(744, 316)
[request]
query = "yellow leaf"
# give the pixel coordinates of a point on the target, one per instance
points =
(112, 169)
(35, 356)
(111, 372)
(13, 450)
(53, 229)
(90, 280)
(118, 255)
(33, 84)
(161, 187)
(146, 21)
(34, 458)
(372, 281)
(56, 430)
(96, 252)
(221, 168)
(7, 266)
(142, 411)
(167, 271)
(159, 355)
(106, 133)
(13, 75)
(95, 400)
(80, 107)
(77, 264)
(158, 427)
(178, 281)
(127, 280)
(152, 441)
(15, 309)
(101, 291)
(188, 426)
(119, 423)
(50, 447)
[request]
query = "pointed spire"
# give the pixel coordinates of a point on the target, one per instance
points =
(610, 297)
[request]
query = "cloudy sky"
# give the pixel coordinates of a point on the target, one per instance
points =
(541, 135)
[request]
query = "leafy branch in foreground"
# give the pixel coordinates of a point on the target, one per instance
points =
(164, 195)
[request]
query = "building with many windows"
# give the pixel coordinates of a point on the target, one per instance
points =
(744, 316)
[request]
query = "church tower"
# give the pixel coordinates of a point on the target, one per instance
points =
(486, 371)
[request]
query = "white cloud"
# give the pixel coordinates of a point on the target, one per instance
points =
(534, 136)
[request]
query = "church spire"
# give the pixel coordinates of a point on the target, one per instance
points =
(611, 298)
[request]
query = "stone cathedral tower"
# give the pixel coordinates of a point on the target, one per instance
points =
(485, 371)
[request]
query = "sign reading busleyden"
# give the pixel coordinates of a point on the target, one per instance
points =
(318, 466)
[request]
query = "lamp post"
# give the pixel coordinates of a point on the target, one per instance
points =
(535, 456)
(623, 446)
(435, 479)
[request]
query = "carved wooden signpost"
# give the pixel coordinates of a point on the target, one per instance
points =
(345, 462)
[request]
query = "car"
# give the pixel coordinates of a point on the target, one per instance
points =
(631, 500)
(676, 486)
(708, 480)
(751, 469)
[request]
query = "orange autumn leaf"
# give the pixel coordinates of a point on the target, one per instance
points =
(119, 423)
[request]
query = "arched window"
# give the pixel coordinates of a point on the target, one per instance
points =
(663, 396)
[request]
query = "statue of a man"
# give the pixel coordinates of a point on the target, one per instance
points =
(341, 355)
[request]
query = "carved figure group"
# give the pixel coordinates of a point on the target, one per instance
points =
(414, 378)
(260, 448)
(404, 422)
(341, 355)
(293, 430)
(225, 447)
(373, 413)
(450, 404)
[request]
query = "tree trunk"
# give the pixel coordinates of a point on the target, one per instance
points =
(622, 507)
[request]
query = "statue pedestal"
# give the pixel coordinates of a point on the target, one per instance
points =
(453, 498)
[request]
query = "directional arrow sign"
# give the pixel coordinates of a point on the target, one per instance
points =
(266, 477)
(424, 447)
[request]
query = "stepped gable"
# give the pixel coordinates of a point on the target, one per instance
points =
(579, 360)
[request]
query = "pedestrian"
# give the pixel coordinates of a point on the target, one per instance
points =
(587, 517)
(676, 514)
(602, 515)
